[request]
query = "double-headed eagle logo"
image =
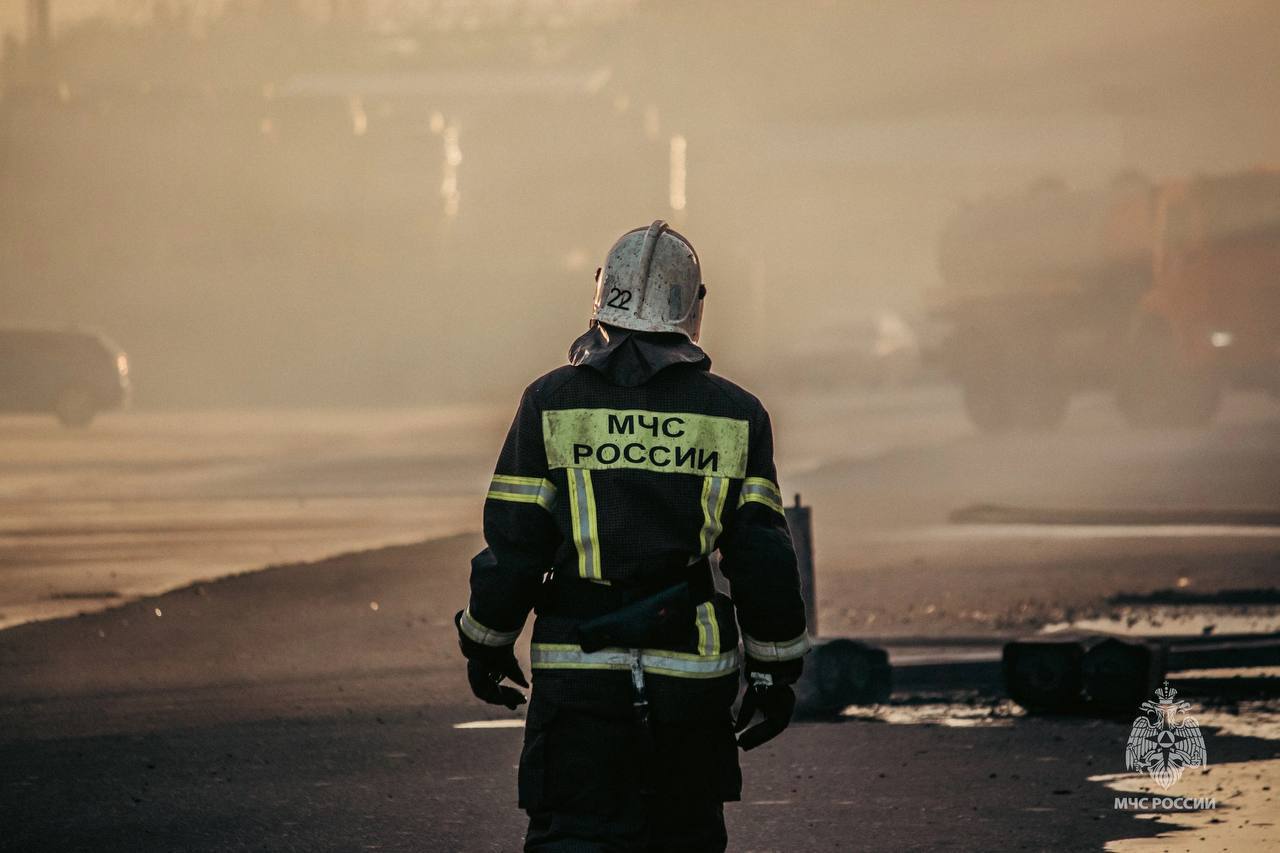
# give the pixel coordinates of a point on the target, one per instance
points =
(1161, 744)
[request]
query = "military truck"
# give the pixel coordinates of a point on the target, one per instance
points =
(1163, 294)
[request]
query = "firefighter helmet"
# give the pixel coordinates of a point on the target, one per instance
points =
(651, 282)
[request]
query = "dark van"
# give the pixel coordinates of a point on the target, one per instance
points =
(71, 373)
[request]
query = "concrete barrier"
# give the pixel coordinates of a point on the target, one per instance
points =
(1119, 675)
(842, 672)
(1082, 673)
(1044, 675)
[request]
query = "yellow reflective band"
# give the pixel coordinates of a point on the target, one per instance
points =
(546, 656)
(714, 490)
(708, 630)
(483, 634)
(785, 650)
(517, 481)
(532, 490)
(582, 517)
(664, 442)
(763, 491)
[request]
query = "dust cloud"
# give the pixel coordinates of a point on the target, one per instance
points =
(336, 238)
(403, 203)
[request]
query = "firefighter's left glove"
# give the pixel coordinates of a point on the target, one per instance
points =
(769, 692)
(487, 666)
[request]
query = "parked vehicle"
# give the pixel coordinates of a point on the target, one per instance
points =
(70, 373)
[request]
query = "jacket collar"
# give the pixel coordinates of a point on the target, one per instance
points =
(631, 359)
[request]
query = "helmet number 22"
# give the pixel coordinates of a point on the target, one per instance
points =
(619, 298)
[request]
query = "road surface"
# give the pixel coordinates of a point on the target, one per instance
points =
(316, 705)
(145, 502)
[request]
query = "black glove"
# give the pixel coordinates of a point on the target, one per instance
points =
(487, 666)
(769, 692)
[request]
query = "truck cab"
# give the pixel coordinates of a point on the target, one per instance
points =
(1166, 294)
(1216, 277)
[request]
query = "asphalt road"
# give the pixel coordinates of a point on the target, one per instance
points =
(313, 706)
(143, 502)
(279, 711)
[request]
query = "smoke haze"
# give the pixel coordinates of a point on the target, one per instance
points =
(395, 203)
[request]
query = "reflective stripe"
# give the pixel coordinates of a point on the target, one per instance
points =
(582, 515)
(569, 656)
(786, 650)
(530, 490)
(483, 634)
(708, 630)
(714, 490)
(656, 661)
(762, 491)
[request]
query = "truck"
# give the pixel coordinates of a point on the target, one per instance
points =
(1164, 294)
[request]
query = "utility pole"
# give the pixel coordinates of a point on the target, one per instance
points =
(353, 13)
(38, 29)
(37, 51)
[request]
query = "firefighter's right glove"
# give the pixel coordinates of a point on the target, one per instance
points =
(769, 692)
(487, 666)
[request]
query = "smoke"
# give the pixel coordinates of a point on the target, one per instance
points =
(362, 203)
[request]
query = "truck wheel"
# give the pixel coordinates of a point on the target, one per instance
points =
(1015, 388)
(1157, 390)
(989, 404)
(1042, 405)
(75, 407)
(1042, 394)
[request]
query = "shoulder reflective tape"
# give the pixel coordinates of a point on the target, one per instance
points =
(582, 516)
(531, 490)
(766, 651)
(714, 490)
(656, 661)
(708, 629)
(762, 491)
(664, 442)
(483, 634)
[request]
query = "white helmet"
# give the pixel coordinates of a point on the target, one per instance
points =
(651, 282)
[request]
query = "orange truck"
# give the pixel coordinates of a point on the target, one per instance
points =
(1164, 294)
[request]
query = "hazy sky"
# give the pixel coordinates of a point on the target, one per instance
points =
(191, 193)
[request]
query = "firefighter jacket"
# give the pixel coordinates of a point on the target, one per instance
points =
(623, 471)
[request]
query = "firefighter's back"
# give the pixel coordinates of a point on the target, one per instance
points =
(646, 477)
(622, 474)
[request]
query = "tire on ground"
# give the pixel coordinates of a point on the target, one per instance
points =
(989, 405)
(1012, 382)
(75, 407)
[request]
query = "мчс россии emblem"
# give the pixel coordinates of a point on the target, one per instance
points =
(1164, 741)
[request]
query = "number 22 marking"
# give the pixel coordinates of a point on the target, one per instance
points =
(619, 298)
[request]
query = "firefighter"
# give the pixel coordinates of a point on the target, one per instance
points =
(622, 474)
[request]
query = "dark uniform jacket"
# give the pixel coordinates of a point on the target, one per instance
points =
(623, 472)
